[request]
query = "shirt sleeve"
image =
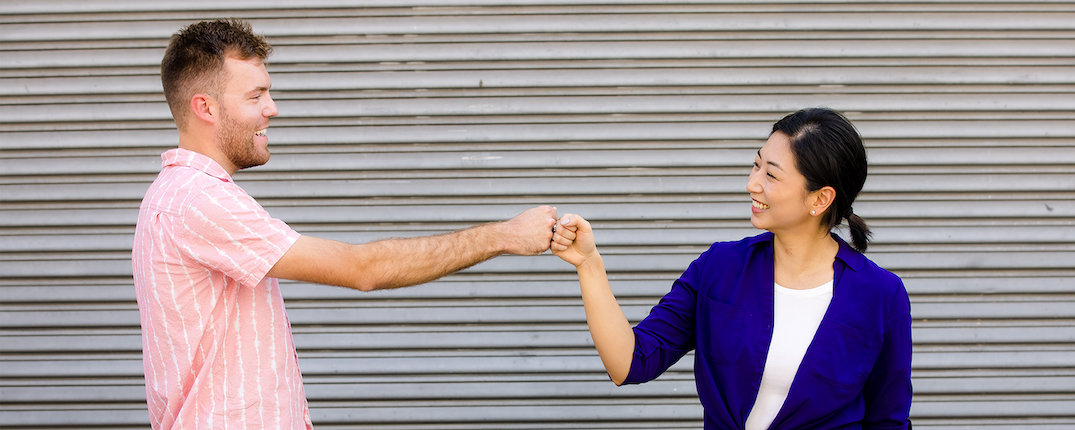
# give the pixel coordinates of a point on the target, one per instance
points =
(887, 391)
(668, 333)
(226, 230)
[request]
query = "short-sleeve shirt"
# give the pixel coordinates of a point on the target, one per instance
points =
(216, 341)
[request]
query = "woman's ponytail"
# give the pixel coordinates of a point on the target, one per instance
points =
(860, 232)
(829, 152)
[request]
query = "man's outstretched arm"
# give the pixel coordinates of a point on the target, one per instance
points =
(394, 263)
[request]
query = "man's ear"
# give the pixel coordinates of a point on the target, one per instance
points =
(205, 108)
(823, 198)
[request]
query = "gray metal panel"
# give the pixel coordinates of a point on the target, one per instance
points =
(403, 120)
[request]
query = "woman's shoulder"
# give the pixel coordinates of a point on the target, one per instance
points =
(863, 270)
(733, 254)
(744, 245)
(866, 268)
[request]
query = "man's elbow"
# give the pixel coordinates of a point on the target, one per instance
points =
(371, 280)
(365, 285)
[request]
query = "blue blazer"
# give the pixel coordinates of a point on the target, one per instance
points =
(856, 372)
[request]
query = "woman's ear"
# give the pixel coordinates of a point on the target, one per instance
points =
(822, 199)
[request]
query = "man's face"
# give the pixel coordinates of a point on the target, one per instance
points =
(245, 109)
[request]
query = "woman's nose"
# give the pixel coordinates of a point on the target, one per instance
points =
(753, 186)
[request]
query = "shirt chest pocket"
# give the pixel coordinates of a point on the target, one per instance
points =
(719, 327)
(841, 355)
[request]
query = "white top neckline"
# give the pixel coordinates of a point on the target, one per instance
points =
(825, 288)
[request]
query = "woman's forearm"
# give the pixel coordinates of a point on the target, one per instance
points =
(574, 242)
(611, 332)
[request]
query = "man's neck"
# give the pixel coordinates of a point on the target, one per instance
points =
(208, 147)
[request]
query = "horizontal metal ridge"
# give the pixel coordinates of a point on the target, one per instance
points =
(507, 23)
(121, 81)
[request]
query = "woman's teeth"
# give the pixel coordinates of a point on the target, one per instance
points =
(760, 205)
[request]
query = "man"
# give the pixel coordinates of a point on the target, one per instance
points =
(216, 341)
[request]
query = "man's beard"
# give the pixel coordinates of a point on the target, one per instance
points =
(238, 144)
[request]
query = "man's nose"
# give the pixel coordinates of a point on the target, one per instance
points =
(271, 110)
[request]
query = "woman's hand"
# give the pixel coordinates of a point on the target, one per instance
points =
(573, 241)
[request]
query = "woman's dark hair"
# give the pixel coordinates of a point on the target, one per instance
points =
(829, 152)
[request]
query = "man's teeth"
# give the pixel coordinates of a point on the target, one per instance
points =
(262, 132)
(760, 205)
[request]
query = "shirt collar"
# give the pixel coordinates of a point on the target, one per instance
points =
(850, 258)
(186, 158)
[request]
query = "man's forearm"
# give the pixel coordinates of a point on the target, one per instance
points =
(394, 263)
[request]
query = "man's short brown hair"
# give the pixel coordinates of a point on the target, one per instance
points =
(194, 60)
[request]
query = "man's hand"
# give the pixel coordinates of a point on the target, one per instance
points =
(530, 232)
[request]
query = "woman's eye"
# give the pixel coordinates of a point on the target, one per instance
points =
(770, 175)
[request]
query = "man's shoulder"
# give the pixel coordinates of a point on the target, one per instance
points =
(178, 187)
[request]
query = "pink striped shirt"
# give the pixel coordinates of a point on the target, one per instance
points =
(216, 341)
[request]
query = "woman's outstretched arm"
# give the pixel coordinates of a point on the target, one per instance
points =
(612, 335)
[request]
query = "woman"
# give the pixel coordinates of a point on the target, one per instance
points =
(793, 328)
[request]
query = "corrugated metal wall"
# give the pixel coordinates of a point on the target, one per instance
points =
(399, 121)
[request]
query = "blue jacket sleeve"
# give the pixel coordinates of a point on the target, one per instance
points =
(668, 333)
(887, 391)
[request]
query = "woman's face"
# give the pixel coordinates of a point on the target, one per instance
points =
(781, 201)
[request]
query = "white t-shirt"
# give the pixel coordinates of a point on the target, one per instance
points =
(797, 315)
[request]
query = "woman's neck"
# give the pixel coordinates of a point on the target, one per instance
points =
(804, 261)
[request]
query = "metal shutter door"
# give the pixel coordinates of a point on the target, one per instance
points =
(399, 121)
